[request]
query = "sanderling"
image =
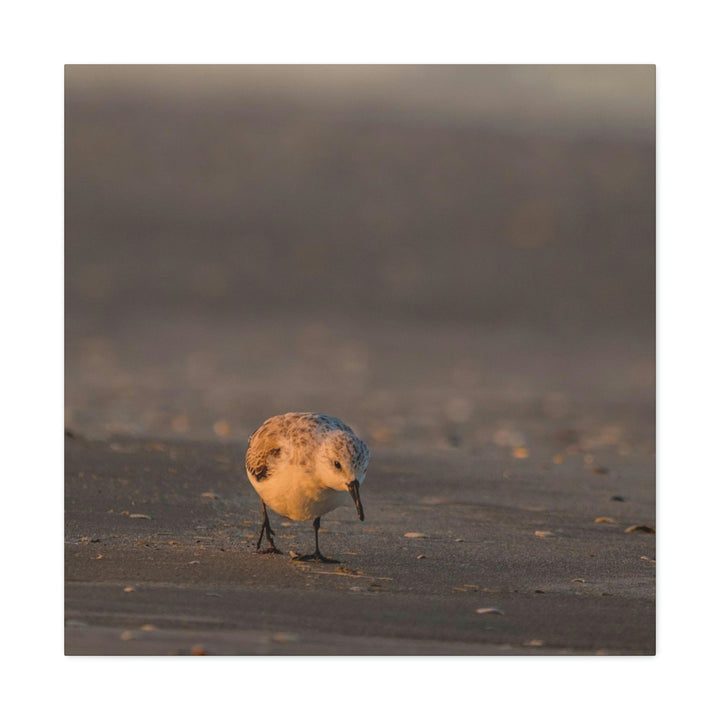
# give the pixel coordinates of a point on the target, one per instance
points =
(303, 465)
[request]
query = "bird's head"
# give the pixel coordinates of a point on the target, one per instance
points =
(342, 464)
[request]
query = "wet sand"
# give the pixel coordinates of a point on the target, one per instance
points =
(458, 262)
(160, 539)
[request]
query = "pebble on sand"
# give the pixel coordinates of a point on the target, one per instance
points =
(640, 529)
(284, 637)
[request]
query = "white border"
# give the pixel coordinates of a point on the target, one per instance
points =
(40, 38)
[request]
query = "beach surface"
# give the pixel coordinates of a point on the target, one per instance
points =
(458, 262)
(460, 553)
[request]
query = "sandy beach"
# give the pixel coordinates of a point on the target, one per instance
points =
(460, 266)
(160, 540)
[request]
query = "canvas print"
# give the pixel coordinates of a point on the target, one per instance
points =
(360, 360)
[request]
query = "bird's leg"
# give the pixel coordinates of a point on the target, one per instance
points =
(316, 527)
(265, 528)
(317, 555)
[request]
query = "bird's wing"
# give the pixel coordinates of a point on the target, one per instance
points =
(262, 450)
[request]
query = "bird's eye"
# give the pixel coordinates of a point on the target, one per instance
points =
(338, 465)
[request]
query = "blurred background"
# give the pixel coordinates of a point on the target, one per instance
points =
(443, 256)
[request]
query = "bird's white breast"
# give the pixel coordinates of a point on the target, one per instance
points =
(293, 491)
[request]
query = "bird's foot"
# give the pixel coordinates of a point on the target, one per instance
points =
(269, 551)
(314, 557)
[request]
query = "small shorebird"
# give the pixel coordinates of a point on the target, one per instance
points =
(303, 465)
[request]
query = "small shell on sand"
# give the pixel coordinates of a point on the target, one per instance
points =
(489, 611)
(640, 529)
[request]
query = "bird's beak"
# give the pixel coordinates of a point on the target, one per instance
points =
(354, 490)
